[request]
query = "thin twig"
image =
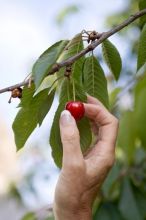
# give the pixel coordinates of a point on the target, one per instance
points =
(10, 88)
(90, 47)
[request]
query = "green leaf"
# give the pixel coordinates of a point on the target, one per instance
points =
(27, 118)
(113, 97)
(47, 82)
(55, 140)
(128, 131)
(24, 124)
(45, 107)
(127, 204)
(85, 134)
(65, 91)
(27, 96)
(112, 58)
(139, 111)
(72, 48)
(142, 5)
(83, 125)
(95, 82)
(142, 49)
(45, 62)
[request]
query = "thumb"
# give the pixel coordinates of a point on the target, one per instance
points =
(70, 139)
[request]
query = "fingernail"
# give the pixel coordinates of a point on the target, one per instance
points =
(66, 118)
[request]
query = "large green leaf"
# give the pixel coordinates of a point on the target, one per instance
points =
(142, 49)
(27, 118)
(128, 131)
(72, 48)
(112, 58)
(140, 109)
(127, 204)
(85, 134)
(95, 82)
(142, 5)
(46, 61)
(55, 140)
(83, 125)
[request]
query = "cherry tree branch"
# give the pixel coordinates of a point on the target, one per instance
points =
(90, 47)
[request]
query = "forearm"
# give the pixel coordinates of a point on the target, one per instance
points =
(62, 214)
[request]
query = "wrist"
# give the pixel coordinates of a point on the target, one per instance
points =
(84, 213)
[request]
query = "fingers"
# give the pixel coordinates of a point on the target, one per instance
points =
(92, 100)
(70, 140)
(107, 122)
(102, 154)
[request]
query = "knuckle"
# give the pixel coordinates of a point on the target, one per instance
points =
(70, 136)
(76, 166)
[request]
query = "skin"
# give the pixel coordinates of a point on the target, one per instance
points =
(82, 175)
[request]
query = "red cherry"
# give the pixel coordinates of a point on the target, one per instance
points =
(76, 109)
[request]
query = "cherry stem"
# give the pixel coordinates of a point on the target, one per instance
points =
(74, 95)
(68, 94)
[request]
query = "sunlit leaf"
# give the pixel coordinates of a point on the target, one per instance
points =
(112, 58)
(46, 61)
(46, 83)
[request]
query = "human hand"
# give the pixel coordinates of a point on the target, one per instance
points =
(82, 176)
